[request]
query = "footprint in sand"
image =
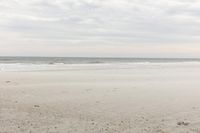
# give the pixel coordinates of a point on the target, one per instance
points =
(8, 81)
(115, 89)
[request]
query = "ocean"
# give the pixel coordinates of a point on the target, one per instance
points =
(76, 63)
(89, 60)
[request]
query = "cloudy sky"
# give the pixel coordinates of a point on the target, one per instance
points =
(114, 28)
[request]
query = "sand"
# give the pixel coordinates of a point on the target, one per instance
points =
(101, 101)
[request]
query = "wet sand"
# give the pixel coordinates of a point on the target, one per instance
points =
(100, 101)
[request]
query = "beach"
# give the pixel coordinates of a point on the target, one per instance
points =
(142, 99)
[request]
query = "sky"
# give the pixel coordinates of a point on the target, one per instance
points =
(100, 28)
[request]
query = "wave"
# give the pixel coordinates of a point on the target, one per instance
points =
(92, 66)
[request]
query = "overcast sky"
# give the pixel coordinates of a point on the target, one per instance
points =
(114, 28)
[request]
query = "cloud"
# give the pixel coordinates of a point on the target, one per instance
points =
(61, 24)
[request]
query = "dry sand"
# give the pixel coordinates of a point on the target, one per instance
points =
(100, 101)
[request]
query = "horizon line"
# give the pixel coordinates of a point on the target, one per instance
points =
(103, 57)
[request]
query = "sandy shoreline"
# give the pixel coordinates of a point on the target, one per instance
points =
(100, 101)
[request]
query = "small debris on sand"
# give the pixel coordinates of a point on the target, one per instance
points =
(8, 81)
(87, 90)
(37, 106)
(183, 123)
